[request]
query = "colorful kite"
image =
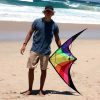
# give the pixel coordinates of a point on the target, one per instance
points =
(62, 59)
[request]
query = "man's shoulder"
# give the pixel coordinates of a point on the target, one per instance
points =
(55, 24)
(37, 20)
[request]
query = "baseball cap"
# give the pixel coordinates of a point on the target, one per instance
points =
(49, 7)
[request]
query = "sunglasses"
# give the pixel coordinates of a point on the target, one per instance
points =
(48, 11)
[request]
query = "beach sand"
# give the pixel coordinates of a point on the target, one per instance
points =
(85, 73)
(10, 30)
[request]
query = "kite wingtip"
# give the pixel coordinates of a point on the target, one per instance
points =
(79, 93)
(85, 29)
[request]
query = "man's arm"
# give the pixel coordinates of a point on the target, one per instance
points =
(28, 36)
(57, 39)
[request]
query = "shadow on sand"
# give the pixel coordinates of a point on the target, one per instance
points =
(35, 92)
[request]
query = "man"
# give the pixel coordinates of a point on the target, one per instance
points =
(43, 29)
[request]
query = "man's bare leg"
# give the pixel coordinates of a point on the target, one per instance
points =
(30, 80)
(42, 81)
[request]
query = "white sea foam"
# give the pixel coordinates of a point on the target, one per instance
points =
(26, 13)
(27, 0)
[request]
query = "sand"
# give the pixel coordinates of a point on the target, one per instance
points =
(85, 73)
(10, 30)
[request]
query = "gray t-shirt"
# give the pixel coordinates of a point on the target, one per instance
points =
(43, 35)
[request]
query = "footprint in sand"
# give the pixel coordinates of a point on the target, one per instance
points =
(1, 79)
(89, 85)
(98, 82)
(10, 92)
(87, 77)
(13, 74)
(73, 74)
(92, 58)
(10, 97)
(87, 61)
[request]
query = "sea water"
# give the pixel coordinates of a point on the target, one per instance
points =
(72, 13)
(65, 12)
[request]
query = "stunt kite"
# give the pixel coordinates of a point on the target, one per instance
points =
(62, 60)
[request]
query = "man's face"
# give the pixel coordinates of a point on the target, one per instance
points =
(48, 13)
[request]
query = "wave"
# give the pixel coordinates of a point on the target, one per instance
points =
(69, 4)
(66, 11)
(28, 14)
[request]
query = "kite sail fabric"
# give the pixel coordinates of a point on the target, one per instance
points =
(62, 59)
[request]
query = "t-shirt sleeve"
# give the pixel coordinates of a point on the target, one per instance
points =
(56, 29)
(34, 24)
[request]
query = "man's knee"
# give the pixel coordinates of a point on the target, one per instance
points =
(31, 70)
(43, 71)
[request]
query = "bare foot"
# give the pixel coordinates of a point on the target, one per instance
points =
(41, 93)
(28, 92)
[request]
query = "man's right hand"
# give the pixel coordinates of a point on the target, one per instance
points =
(29, 34)
(22, 49)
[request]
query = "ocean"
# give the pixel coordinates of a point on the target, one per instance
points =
(66, 11)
